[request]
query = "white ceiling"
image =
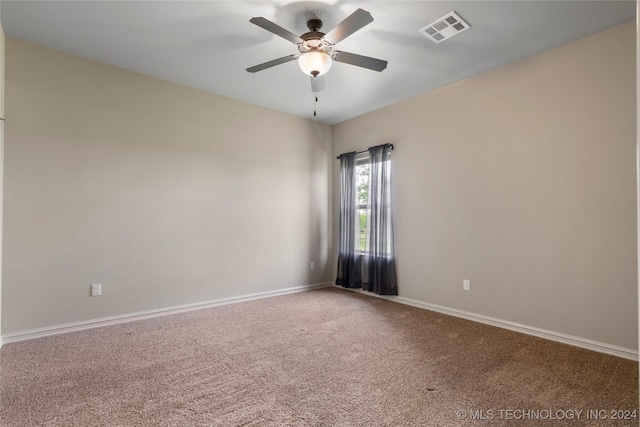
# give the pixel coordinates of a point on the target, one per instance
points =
(209, 44)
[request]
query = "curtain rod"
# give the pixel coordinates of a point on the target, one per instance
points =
(363, 151)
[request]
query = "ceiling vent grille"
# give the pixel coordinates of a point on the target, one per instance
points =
(444, 28)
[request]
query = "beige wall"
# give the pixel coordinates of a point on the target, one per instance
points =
(1, 157)
(522, 180)
(638, 146)
(165, 195)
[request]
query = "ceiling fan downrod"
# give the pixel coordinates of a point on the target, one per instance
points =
(314, 25)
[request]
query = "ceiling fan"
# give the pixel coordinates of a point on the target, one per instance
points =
(316, 51)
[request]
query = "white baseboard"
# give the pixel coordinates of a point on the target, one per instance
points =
(113, 320)
(626, 353)
(148, 314)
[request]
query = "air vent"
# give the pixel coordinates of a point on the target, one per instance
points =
(444, 28)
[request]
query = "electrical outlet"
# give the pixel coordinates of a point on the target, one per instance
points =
(312, 265)
(466, 285)
(96, 290)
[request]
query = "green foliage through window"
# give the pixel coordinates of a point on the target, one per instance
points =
(362, 182)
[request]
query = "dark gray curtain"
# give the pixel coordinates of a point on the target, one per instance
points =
(379, 264)
(374, 268)
(349, 263)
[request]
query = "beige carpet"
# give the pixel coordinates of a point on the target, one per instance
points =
(321, 358)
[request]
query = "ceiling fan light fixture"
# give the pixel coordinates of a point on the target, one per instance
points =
(315, 63)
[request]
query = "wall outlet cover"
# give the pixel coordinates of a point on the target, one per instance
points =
(96, 289)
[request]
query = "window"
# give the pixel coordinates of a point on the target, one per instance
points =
(363, 207)
(365, 250)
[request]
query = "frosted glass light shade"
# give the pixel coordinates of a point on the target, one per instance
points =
(315, 63)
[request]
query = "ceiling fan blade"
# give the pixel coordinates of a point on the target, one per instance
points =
(349, 25)
(276, 29)
(317, 84)
(273, 63)
(360, 61)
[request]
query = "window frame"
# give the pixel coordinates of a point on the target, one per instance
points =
(363, 159)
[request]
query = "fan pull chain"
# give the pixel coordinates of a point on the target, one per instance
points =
(315, 104)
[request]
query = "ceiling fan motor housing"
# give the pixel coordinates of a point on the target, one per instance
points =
(314, 41)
